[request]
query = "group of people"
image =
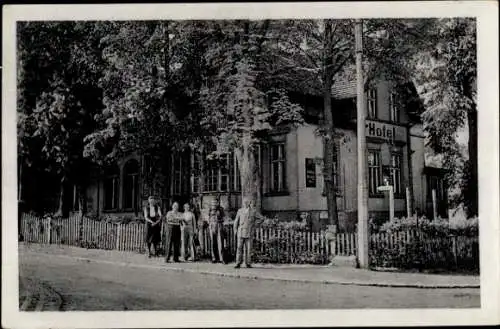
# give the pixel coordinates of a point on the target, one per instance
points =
(183, 231)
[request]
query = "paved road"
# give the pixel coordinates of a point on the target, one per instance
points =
(103, 287)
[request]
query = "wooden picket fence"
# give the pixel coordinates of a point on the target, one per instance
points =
(346, 244)
(286, 246)
(277, 245)
(271, 244)
(418, 249)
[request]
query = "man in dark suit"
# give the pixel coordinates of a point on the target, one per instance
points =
(215, 227)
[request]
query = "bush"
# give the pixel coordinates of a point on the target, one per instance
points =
(436, 244)
(274, 223)
(460, 226)
(116, 219)
(286, 243)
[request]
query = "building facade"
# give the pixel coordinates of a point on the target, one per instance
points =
(291, 164)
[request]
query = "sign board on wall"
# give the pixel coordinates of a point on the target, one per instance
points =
(386, 131)
(310, 172)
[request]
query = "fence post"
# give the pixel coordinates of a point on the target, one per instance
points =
(49, 229)
(434, 204)
(80, 229)
(391, 203)
(333, 242)
(455, 252)
(118, 236)
(408, 205)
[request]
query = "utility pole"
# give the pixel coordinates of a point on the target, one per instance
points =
(361, 147)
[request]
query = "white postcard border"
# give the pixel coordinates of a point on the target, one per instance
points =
(488, 167)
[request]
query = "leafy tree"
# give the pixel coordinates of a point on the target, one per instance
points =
(318, 51)
(240, 98)
(150, 85)
(57, 97)
(446, 75)
(439, 57)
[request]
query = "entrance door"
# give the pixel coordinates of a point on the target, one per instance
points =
(436, 182)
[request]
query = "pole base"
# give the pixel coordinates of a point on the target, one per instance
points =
(344, 261)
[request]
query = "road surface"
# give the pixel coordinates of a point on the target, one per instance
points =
(93, 286)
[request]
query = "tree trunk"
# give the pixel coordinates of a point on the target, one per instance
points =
(472, 198)
(410, 170)
(62, 197)
(328, 138)
(201, 183)
(471, 189)
(19, 180)
(250, 173)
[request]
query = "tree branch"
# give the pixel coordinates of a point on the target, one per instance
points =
(262, 35)
(312, 60)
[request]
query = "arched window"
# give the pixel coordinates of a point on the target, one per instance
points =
(110, 184)
(131, 185)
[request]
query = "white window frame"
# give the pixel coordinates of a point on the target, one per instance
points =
(195, 175)
(224, 157)
(236, 182)
(280, 162)
(374, 171)
(114, 192)
(394, 107)
(211, 183)
(135, 188)
(396, 172)
(372, 103)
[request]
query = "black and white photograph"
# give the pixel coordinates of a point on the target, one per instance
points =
(190, 158)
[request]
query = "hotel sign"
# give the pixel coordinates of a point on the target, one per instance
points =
(310, 173)
(385, 131)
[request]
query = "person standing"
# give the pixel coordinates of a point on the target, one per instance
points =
(152, 217)
(215, 226)
(202, 227)
(188, 225)
(173, 234)
(243, 229)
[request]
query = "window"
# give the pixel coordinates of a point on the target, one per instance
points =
(278, 175)
(131, 185)
(236, 176)
(395, 171)
(394, 107)
(224, 172)
(372, 103)
(374, 171)
(110, 185)
(195, 187)
(211, 175)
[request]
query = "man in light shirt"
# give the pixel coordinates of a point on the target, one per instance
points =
(243, 229)
(173, 234)
(188, 225)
